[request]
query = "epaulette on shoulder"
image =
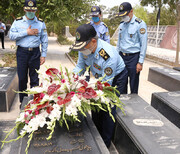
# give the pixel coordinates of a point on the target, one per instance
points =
(105, 25)
(40, 19)
(88, 22)
(138, 20)
(104, 54)
(19, 18)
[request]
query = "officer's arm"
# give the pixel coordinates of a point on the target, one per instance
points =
(80, 64)
(118, 42)
(4, 26)
(44, 40)
(106, 35)
(15, 34)
(143, 41)
(110, 68)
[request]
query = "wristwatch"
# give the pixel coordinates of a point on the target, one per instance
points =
(140, 63)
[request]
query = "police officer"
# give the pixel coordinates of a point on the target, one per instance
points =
(100, 27)
(2, 30)
(102, 59)
(29, 32)
(132, 43)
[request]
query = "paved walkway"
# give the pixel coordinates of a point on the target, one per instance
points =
(56, 56)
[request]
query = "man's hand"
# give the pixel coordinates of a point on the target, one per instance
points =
(2, 28)
(42, 60)
(139, 67)
(32, 31)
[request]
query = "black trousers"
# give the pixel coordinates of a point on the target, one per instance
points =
(2, 39)
(131, 62)
(101, 119)
(27, 62)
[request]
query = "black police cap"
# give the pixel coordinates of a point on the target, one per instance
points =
(95, 11)
(84, 34)
(124, 9)
(30, 5)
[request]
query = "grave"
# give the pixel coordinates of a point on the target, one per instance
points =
(6, 126)
(164, 77)
(8, 83)
(144, 130)
(80, 139)
(176, 68)
(168, 104)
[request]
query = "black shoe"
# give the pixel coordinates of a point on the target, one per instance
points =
(3, 48)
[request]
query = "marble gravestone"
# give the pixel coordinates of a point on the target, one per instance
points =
(6, 126)
(168, 104)
(164, 77)
(144, 130)
(79, 139)
(8, 83)
(176, 68)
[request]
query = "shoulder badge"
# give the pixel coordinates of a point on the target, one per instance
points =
(105, 25)
(142, 30)
(19, 18)
(138, 20)
(108, 71)
(104, 54)
(40, 19)
(88, 22)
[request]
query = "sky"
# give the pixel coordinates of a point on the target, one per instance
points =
(112, 3)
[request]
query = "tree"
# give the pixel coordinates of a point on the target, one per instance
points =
(141, 13)
(168, 17)
(160, 3)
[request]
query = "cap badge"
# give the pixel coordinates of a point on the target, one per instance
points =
(78, 36)
(30, 3)
(121, 8)
(94, 9)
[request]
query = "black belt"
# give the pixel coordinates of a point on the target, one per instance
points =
(28, 49)
(129, 54)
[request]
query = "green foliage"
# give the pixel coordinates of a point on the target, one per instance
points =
(63, 40)
(159, 3)
(167, 17)
(141, 13)
(74, 55)
(112, 21)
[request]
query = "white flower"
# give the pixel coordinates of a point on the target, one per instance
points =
(27, 128)
(70, 110)
(82, 77)
(21, 117)
(47, 98)
(55, 114)
(92, 83)
(36, 89)
(75, 101)
(86, 73)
